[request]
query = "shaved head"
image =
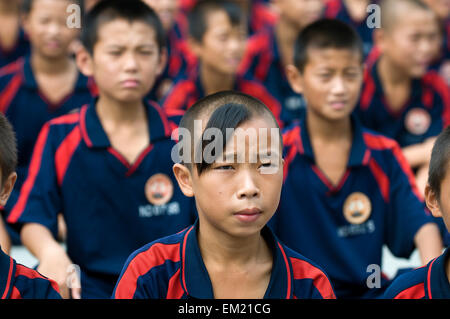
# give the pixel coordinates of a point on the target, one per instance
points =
(393, 10)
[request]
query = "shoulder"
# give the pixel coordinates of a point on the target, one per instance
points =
(410, 285)
(306, 271)
(30, 284)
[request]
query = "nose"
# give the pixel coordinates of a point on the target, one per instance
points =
(248, 187)
(131, 64)
(338, 86)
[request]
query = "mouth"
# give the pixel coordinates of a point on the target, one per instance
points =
(338, 105)
(130, 83)
(248, 215)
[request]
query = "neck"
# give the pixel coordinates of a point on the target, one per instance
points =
(9, 7)
(223, 249)
(319, 128)
(51, 66)
(286, 34)
(390, 74)
(214, 81)
(113, 111)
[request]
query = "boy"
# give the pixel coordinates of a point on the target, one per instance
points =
(228, 252)
(106, 167)
(17, 281)
(43, 85)
(433, 280)
(180, 58)
(442, 61)
(217, 37)
(352, 188)
(13, 41)
(271, 50)
(399, 98)
(353, 12)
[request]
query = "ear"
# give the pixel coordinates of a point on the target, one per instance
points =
(295, 78)
(7, 188)
(163, 58)
(184, 179)
(85, 62)
(432, 201)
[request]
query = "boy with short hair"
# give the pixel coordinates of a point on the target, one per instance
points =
(431, 281)
(180, 58)
(217, 37)
(107, 166)
(271, 50)
(13, 40)
(17, 281)
(353, 190)
(442, 61)
(400, 98)
(229, 252)
(44, 84)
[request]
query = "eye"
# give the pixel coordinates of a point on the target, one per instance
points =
(224, 167)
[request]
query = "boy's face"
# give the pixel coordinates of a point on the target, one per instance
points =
(238, 197)
(166, 10)
(223, 44)
(126, 60)
(411, 42)
(440, 207)
(330, 82)
(46, 26)
(300, 12)
(440, 7)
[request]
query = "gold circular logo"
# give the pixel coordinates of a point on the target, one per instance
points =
(357, 208)
(417, 121)
(159, 189)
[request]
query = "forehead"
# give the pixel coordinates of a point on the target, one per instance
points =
(121, 31)
(417, 19)
(335, 58)
(217, 19)
(49, 6)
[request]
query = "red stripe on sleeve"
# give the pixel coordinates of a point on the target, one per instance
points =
(381, 178)
(367, 92)
(438, 84)
(414, 292)
(33, 274)
(63, 154)
(8, 283)
(332, 8)
(10, 91)
(304, 270)
(175, 291)
(156, 255)
(15, 294)
(33, 171)
(288, 271)
(178, 96)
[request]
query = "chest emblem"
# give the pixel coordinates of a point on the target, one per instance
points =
(357, 208)
(159, 189)
(417, 121)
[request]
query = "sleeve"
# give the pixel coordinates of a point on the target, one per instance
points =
(29, 284)
(39, 200)
(407, 212)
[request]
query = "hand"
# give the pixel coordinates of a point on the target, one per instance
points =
(55, 264)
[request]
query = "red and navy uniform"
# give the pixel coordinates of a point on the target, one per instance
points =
(111, 207)
(173, 268)
(343, 227)
(27, 109)
(20, 49)
(189, 90)
(425, 114)
(20, 282)
(263, 62)
(336, 9)
(427, 282)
